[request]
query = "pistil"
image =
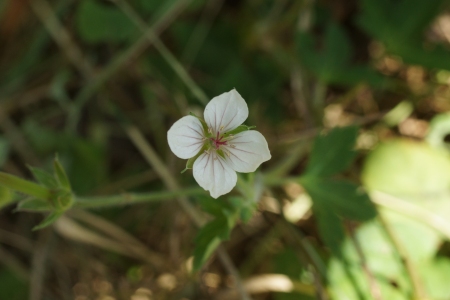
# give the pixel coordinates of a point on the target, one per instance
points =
(217, 141)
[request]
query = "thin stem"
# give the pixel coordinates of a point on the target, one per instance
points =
(276, 181)
(411, 210)
(320, 92)
(133, 198)
(62, 37)
(298, 88)
(163, 50)
(417, 285)
(296, 153)
(373, 285)
(201, 31)
(314, 257)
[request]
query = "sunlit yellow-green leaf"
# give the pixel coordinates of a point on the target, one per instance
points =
(407, 168)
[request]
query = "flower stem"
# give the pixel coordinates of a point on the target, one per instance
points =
(133, 198)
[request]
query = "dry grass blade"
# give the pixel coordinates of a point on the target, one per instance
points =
(74, 231)
(119, 235)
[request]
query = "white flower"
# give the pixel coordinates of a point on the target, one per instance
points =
(220, 145)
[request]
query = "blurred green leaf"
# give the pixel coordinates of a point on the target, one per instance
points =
(332, 62)
(11, 286)
(347, 279)
(407, 168)
(149, 5)
(400, 25)
(435, 274)
(212, 206)
(46, 179)
(98, 23)
(330, 228)
(287, 262)
(34, 205)
(245, 208)
(332, 153)
(43, 139)
(4, 150)
(61, 175)
(86, 164)
(208, 239)
(158, 8)
(403, 20)
(6, 196)
(340, 196)
(49, 220)
(419, 241)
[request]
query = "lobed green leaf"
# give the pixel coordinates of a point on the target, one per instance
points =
(332, 153)
(340, 196)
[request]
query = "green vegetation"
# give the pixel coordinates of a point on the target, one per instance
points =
(353, 98)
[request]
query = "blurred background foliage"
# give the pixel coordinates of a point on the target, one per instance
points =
(352, 96)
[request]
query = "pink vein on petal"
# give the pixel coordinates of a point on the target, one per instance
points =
(192, 137)
(195, 130)
(223, 113)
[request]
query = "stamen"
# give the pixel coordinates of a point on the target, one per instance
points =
(221, 128)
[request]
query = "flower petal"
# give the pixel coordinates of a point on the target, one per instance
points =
(226, 111)
(214, 174)
(247, 151)
(186, 137)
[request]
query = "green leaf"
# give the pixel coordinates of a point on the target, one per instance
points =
(419, 241)
(13, 286)
(400, 25)
(43, 139)
(44, 178)
(99, 23)
(34, 205)
(340, 196)
(332, 153)
(406, 168)
(245, 208)
(49, 220)
(208, 239)
(435, 274)
(331, 63)
(330, 228)
(348, 280)
(4, 150)
(61, 175)
(212, 206)
(24, 186)
(6, 196)
(190, 162)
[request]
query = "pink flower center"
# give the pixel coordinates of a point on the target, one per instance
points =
(217, 141)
